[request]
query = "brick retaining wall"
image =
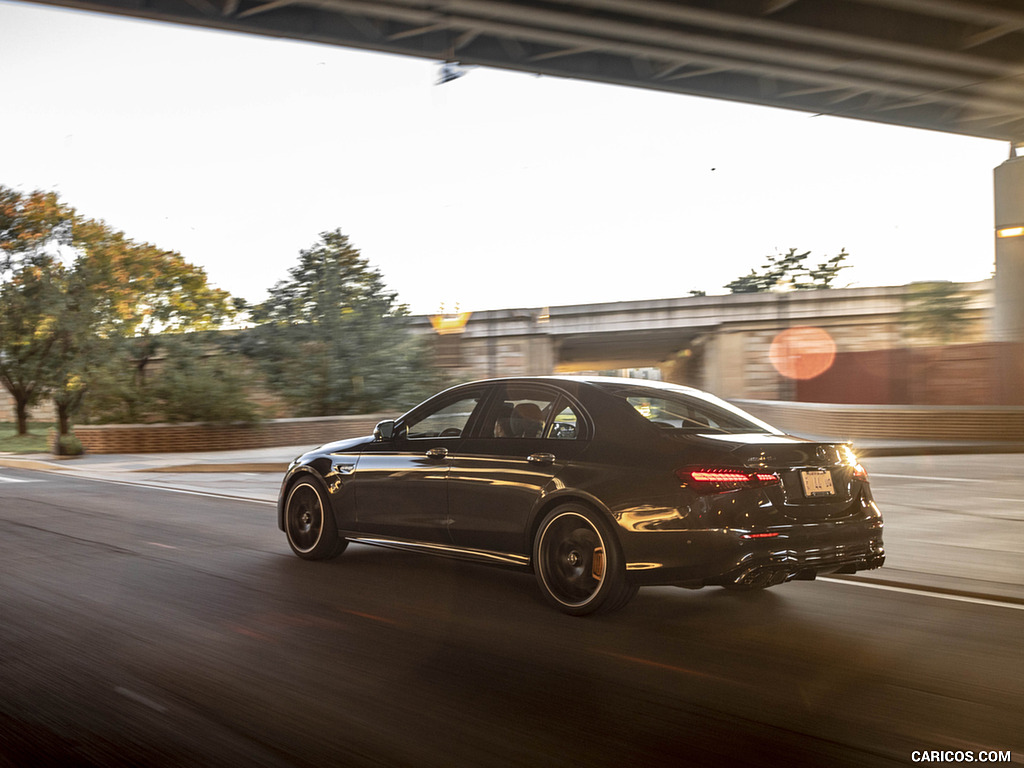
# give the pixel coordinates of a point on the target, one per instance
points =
(172, 438)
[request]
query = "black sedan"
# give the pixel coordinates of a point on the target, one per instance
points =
(598, 485)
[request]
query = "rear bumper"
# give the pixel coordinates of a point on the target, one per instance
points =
(699, 558)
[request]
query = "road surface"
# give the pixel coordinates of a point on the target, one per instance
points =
(147, 627)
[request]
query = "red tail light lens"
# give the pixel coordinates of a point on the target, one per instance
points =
(723, 479)
(860, 473)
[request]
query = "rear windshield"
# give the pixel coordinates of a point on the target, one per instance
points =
(686, 413)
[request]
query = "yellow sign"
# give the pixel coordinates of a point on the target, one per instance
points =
(445, 324)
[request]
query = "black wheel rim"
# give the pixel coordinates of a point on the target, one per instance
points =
(305, 517)
(571, 559)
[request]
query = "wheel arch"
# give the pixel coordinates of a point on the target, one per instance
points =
(300, 473)
(565, 496)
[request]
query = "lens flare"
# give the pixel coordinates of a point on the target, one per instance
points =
(802, 352)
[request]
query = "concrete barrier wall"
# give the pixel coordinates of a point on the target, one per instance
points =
(888, 422)
(171, 438)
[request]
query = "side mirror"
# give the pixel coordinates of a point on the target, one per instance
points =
(385, 430)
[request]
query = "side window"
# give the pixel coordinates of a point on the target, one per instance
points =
(449, 421)
(519, 410)
(672, 413)
(529, 411)
(566, 425)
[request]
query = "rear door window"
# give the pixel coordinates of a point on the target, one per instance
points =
(531, 412)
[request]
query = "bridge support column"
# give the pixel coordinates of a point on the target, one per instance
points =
(1008, 319)
(1009, 220)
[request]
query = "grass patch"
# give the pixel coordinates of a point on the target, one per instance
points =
(36, 441)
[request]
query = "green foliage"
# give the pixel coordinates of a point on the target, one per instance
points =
(196, 383)
(68, 445)
(789, 270)
(29, 225)
(140, 289)
(32, 277)
(331, 339)
(117, 391)
(78, 300)
(935, 312)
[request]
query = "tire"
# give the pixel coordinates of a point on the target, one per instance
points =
(311, 529)
(578, 562)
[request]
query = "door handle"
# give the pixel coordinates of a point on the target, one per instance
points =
(541, 458)
(437, 453)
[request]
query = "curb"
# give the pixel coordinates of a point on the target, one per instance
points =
(256, 466)
(44, 466)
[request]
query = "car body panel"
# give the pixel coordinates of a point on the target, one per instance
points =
(495, 488)
(402, 491)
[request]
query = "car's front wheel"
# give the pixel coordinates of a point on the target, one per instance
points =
(578, 562)
(312, 532)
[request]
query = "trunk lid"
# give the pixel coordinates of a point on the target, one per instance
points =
(818, 480)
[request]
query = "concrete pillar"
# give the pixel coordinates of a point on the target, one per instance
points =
(1008, 321)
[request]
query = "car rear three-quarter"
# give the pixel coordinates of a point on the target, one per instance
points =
(719, 498)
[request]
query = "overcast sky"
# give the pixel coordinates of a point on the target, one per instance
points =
(496, 190)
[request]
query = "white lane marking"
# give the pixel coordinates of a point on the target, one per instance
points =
(4, 479)
(927, 593)
(925, 477)
(155, 487)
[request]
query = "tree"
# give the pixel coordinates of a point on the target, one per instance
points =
(78, 299)
(936, 312)
(140, 298)
(28, 304)
(788, 269)
(331, 338)
(197, 383)
(30, 226)
(33, 228)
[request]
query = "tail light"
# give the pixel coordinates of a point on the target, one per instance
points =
(849, 457)
(724, 479)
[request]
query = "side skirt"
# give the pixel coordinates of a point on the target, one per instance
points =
(445, 550)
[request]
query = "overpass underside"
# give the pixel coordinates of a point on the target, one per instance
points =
(946, 65)
(666, 349)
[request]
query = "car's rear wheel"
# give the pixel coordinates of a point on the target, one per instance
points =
(312, 532)
(578, 562)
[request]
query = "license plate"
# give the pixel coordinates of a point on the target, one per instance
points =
(817, 482)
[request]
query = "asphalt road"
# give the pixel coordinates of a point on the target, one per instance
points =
(142, 626)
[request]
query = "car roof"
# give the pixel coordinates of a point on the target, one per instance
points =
(595, 380)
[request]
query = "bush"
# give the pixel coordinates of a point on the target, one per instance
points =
(67, 445)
